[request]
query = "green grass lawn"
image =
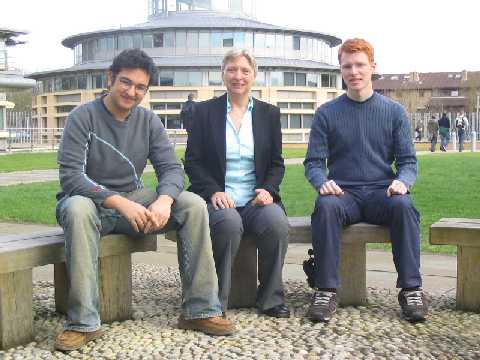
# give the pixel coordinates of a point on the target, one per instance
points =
(447, 186)
(44, 161)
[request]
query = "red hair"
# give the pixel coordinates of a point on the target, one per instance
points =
(351, 46)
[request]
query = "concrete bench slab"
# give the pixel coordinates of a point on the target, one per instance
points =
(19, 254)
(465, 234)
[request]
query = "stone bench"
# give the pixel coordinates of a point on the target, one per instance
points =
(353, 260)
(465, 234)
(19, 254)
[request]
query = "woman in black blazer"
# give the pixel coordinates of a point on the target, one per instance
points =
(234, 161)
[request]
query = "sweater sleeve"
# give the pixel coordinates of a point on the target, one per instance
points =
(317, 153)
(169, 172)
(73, 157)
(404, 151)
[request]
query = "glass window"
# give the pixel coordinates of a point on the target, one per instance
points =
(312, 80)
(276, 78)
(82, 81)
(137, 40)
(169, 39)
(309, 48)
(296, 42)
(158, 106)
(102, 44)
(294, 105)
(307, 121)
(157, 40)
(180, 39)
(300, 79)
(283, 105)
(174, 106)
(215, 78)
(270, 41)
(204, 41)
(333, 80)
(192, 41)
(125, 42)
(288, 42)
(303, 47)
(110, 42)
(216, 39)
(279, 44)
(166, 78)
(147, 41)
(162, 119)
(289, 79)
(259, 42)
(284, 121)
(260, 79)
(2, 121)
(308, 106)
(239, 39)
(180, 78)
(249, 40)
(227, 39)
(195, 78)
(325, 80)
(295, 121)
(173, 121)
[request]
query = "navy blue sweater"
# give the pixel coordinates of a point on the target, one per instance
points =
(360, 141)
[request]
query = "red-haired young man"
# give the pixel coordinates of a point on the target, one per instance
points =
(361, 134)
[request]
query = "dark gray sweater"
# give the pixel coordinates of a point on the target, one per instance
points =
(360, 141)
(100, 156)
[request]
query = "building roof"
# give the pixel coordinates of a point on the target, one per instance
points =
(196, 62)
(432, 80)
(202, 20)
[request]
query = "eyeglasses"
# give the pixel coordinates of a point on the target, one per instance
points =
(127, 84)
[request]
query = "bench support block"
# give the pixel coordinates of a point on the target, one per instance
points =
(468, 278)
(353, 274)
(244, 276)
(115, 285)
(16, 316)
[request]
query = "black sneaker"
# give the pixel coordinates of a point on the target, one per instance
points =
(414, 305)
(323, 306)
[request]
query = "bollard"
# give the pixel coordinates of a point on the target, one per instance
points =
(473, 147)
(453, 136)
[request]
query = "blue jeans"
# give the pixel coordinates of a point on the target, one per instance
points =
(445, 137)
(371, 205)
(84, 223)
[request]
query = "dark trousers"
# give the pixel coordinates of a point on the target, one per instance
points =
(269, 227)
(370, 205)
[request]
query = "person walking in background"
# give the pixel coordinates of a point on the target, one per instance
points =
(461, 123)
(432, 128)
(444, 131)
(186, 115)
(355, 181)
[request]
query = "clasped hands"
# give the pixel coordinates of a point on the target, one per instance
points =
(221, 200)
(330, 187)
(148, 220)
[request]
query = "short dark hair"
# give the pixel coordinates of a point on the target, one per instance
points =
(134, 59)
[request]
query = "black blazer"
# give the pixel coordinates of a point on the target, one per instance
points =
(205, 157)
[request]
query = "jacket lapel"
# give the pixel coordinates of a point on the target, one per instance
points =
(258, 135)
(219, 116)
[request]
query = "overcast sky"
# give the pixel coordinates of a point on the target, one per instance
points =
(411, 35)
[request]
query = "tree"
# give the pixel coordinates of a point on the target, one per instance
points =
(22, 98)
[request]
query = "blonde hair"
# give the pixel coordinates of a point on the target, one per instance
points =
(235, 53)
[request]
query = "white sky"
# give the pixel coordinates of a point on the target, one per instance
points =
(411, 35)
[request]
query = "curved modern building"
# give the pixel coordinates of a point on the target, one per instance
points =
(187, 40)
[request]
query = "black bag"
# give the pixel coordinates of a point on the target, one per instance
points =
(309, 268)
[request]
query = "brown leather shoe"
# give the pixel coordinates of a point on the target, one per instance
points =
(69, 340)
(216, 325)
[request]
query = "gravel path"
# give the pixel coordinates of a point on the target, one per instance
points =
(371, 332)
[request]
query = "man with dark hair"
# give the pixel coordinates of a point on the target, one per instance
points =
(358, 136)
(105, 146)
(444, 131)
(186, 115)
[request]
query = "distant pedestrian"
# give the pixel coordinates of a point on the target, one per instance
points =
(444, 131)
(186, 115)
(432, 128)
(461, 123)
(418, 133)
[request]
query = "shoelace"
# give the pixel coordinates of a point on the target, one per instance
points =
(322, 298)
(414, 298)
